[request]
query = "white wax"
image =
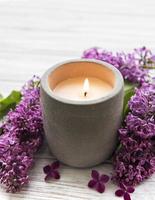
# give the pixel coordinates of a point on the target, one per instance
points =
(73, 89)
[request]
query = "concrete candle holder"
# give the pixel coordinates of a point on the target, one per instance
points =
(82, 133)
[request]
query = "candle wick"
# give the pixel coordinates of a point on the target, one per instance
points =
(85, 94)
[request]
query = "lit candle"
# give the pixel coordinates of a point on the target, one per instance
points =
(82, 89)
(82, 102)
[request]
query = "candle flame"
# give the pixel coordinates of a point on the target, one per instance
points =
(86, 87)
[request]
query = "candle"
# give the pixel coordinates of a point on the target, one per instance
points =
(82, 89)
(82, 103)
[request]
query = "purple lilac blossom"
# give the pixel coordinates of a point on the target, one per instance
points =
(22, 135)
(98, 181)
(131, 65)
(124, 192)
(135, 160)
(51, 171)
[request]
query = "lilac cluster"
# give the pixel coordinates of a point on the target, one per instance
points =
(135, 159)
(132, 66)
(22, 132)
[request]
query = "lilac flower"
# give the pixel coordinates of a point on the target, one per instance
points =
(152, 58)
(142, 127)
(98, 181)
(21, 137)
(142, 104)
(144, 57)
(124, 192)
(134, 164)
(51, 171)
(135, 160)
(130, 65)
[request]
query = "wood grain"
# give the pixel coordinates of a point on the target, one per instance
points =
(35, 34)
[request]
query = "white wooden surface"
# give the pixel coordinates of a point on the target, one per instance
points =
(35, 34)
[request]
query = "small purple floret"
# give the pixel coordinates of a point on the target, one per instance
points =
(51, 171)
(124, 192)
(98, 181)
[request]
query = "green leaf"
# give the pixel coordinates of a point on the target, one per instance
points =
(9, 103)
(128, 85)
(129, 90)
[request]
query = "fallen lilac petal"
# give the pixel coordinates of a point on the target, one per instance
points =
(55, 175)
(91, 183)
(47, 169)
(127, 196)
(95, 174)
(47, 177)
(55, 165)
(104, 178)
(100, 187)
(130, 189)
(119, 193)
